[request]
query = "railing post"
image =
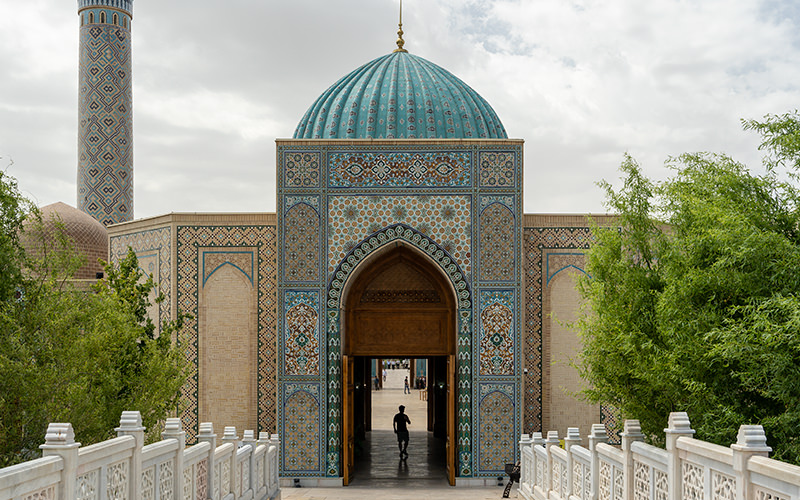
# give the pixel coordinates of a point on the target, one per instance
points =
(572, 438)
(750, 441)
(678, 426)
(130, 424)
(537, 440)
(276, 441)
(206, 435)
(552, 440)
(174, 430)
(229, 436)
(632, 432)
(250, 439)
(60, 442)
(263, 439)
(524, 442)
(597, 436)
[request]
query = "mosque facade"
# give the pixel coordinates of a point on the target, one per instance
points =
(399, 232)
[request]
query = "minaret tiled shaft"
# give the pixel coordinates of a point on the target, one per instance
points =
(105, 108)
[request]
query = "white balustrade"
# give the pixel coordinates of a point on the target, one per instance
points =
(687, 469)
(123, 469)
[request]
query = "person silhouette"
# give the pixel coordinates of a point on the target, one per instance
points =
(400, 425)
(406, 387)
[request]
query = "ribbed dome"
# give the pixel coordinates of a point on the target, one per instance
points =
(401, 96)
(89, 236)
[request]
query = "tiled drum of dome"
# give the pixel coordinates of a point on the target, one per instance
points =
(400, 169)
(497, 239)
(301, 239)
(496, 433)
(301, 428)
(444, 219)
(497, 332)
(497, 169)
(301, 333)
(301, 169)
(105, 168)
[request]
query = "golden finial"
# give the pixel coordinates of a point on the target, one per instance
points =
(400, 41)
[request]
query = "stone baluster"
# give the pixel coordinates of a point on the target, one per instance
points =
(206, 435)
(250, 439)
(174, 430)
(130, 424)
(632, 431)
(524, 442)
(229, 436)
(276, 441)
(598, 435)
(263, 439)
(536, 440)
(750, 441)
(59, 441)
(552, 440)
(572, 438)
(679, 426)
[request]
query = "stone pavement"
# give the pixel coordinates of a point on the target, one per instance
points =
(381, 475)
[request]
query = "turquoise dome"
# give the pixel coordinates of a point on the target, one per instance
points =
(400, 96)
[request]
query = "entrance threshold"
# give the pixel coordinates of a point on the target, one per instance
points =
(379, 464)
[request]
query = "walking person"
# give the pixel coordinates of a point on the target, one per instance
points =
(406, 387)
(400, 425)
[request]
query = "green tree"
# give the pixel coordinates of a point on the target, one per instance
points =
(71, 355)
(693, 301)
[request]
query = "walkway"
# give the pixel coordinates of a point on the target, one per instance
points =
(381, 475)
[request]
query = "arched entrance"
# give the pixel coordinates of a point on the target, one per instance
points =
(398, 304)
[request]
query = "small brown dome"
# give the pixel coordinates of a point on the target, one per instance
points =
(89, 236)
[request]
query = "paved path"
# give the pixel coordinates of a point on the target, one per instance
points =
(380, 475)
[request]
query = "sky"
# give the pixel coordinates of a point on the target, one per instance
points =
(581, 81)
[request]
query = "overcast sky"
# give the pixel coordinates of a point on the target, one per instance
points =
(582, 82)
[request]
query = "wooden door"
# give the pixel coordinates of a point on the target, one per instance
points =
(452, 442)
(348, 439)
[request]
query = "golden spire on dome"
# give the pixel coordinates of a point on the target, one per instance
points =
(400, 41)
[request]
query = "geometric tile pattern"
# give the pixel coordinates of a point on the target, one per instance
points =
(302, 333)
(423, 195)
(301, 169)
(301, 241)
(228, 241)
(444, 219)
(497, 332)
(406, 169)
(535, 242)
(105, 157)
(497, 242)
(497, 168)
(497, 431)
(155, 242)
(301, 436)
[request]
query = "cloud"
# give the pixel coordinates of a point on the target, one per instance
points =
(582, 81)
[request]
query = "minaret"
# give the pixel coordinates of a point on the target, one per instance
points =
(105, 137)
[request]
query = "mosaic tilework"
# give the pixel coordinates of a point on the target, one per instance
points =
(409, 235)
(301, 169)
(609, 417)
(213, 261)
(153, 241)
(301, 241)
(464, 399)
(496, 434)
(497, 332)
(400, 169)
(301, 330)
(444, 219)
(190, 275)
(105, 156)
(301, 432)
(535, 240)
(497, 242)
(334, 437)
(497, 168)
